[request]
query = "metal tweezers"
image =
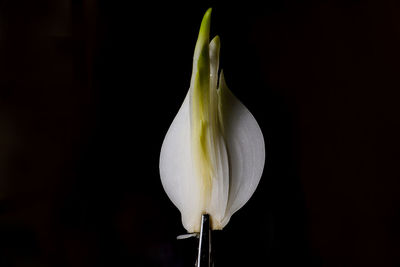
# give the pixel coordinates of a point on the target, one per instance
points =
(204, 257)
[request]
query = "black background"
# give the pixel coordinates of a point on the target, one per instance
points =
(89, 88)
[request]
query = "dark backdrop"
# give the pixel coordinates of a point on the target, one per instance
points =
(89, 88)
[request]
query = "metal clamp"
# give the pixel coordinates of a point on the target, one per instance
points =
(204, 257)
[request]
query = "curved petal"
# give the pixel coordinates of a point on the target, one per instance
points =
(246, 149)
(176, 169)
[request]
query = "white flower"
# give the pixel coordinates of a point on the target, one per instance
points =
(213, 155)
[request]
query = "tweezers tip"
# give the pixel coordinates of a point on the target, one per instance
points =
(204, 255)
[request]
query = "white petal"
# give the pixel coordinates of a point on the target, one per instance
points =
(220, 188)
(176, 169)
(246, 149)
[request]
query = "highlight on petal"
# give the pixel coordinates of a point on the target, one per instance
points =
(213, 154)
